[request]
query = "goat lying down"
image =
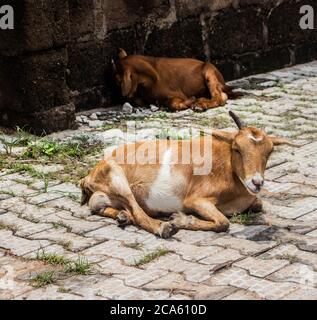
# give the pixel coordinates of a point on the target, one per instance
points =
(176, 82)
(137, 192)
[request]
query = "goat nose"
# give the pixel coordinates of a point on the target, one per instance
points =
(258, 181)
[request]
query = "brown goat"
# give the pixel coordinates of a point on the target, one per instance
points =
(176, 82)
(139, 191)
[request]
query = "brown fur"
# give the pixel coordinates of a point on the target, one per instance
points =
(177, 82)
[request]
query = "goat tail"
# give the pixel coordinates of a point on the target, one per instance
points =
(232, 95)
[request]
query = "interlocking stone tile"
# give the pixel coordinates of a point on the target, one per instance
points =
(248, 232)
(69, 240)
(116, 268)
(65, 188)
(242, 294)
(45, 197)
(278, 187)
(19, 246)
(74, 224)
(194, 272)
(12, 272)
(309, 217)
(53, 249)
(263, 288)
(22, 227)
(141, 277)
(214, 293)
(302, 294)
(291, 253)
(24, 209)
(225, 256)
(113, 232)
(115, 249)
(260, 267)
(312, 234)
(192, 252)
(191, 237)
(17, 189)
(298, 273)
(90, 287)
(243, 245)
(70, 205)
(175, 282)
(51, 292)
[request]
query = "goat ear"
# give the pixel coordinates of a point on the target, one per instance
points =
(84, 193)
(126, 84)
(282, 141)
(84, 197)
(122, 53)
(224, 135)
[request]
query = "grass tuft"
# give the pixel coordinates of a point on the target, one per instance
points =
(52, 258)
(43, 279)
(242, 218)
(151, 256)
(80, 266)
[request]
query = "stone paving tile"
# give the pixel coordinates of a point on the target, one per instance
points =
(51, 292)
(115, 249)
(60, 236)
(15, 275)
(291, 253)
(248, 232)
(19, 246)
(176, 283)
(45, 197)
(24, 209)
(64, 188)
(70, 205)
(242, 294)
(263, 288)
(75, 225)
(55, 249)
(225, 256)
(22, 227)
(302, 294)
(312, 233)
(310, 217)
(296, 272)
(192, 252)
(215, 293)
(194, 272)
(113, 232)
(260, 267)
(191, 237)
(90, 287)
(243, 245)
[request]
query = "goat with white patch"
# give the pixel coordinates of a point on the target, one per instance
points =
(139, 192)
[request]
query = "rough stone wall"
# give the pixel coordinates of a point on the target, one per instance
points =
(58, 57)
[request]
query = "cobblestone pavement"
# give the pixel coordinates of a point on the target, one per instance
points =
(51, 248)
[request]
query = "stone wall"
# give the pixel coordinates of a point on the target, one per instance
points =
(58, 57)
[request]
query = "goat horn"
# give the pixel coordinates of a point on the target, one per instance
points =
(237, 120)
(114, 67)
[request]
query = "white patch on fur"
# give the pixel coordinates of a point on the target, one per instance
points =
(162, 195)
(250, 136)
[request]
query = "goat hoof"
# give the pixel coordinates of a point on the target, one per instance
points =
(168, 229)
(199, 107)
(122, 219)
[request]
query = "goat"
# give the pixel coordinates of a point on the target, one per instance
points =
(138, 192)
(177, 82)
